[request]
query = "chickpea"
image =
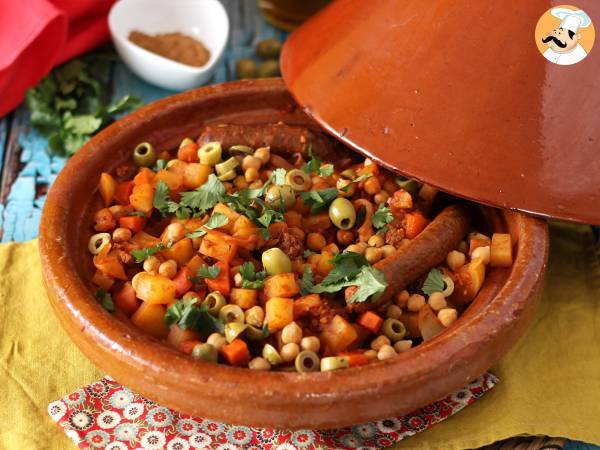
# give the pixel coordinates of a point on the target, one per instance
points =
(402, 298)
(386, 352)
(447, 316)
(121, 235)
(415, 302)
(379, 342)
(251, 174)
(289, 351)
(403, 345)
(104, 220)
(175, 232)
(255, 316)
(373, 254)
(291, 333)
(168, 268)
(483, 253)
(381, 197)
(345, 237)
(388, 250)
(151, 264)
(216, 340)
(357, 248)
(455, 260)
(315, 241)
(250, 161)
(372, 186)
(376, 241)
(311, 343)
(331, 248)
(437, 301)
(259, 363)
(393, 312)
(371, 354)
(263, 153)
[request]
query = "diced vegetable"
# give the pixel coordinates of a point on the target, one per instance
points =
(109, 264)
(177, 336)
(281, 285)
(195, 175)
(415, 223)
(428, 323)
(155, 288)
(181, 251)
(182, 281)
(476, 243)
(144, 176)
(133, 223)
(142, 197)
(279, 312)
(501, 250)
(355, 358)
(123, 191)
(338, 335)
(145, 240)
(108, 187)
(173, 180)
(371, 321)
(102, 280)
(222, 282)
(231, 215)
(213, 246)
(149, 317)
(303, 305)
(469, 280)
(125, 299)
(244, 298)
(236, 353)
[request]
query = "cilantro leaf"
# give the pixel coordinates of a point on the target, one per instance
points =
(215, 221)
(210, 272)
(143, 254)
(206, 196)
(306, 283)
(162, 198)
(382, 216)
(325, 170)
(187, 315)
(319, 200)
(160, 165)
(82, 124)
(358, 179)
(251, 279)
(313, 164)
(370, 283)
(278, 176)
(269, 216)
(434, 282)
(345, 266)
(105, 300)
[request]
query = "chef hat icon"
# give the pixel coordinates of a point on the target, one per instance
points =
(571, 19)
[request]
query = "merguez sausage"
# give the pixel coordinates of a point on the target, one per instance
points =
(425, 251)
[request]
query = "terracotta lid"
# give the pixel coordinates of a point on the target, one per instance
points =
(457, 95)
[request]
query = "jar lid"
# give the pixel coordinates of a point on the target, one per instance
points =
(457, 95)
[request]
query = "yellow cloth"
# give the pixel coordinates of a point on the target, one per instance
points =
(549, 381)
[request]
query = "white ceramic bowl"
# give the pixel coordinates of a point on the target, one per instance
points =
(205, 20)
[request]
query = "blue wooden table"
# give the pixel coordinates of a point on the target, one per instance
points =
(27, 169)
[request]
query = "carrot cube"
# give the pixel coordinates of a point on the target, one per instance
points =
(371, 321)
(279, 312)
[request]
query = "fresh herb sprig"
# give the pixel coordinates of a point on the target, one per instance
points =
(141, 255)
(319, 200)
(187, 315)
(105, 300)
(250, 278)
(215, 221)
(434, 282)
(382, 217)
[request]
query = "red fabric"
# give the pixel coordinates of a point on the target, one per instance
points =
(37, 35)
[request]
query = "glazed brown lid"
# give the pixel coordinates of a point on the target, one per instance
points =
(457, 95)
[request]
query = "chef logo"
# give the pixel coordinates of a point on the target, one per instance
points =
(565, 35)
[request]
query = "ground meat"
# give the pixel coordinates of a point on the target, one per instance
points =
(394, 235)
(291, 245)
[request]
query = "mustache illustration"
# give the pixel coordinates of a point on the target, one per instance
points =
(556, 41)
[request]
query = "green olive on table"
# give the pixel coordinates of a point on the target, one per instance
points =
(245, 68)
(205, 352)
(268, 69)
(215, 302)
(393, 329)
(275, 261)
(307, 361)
(342, 213)
(268, 48)
(231, 313)
(278, 196)
(298, 180)
(144, 155)
(210, 153)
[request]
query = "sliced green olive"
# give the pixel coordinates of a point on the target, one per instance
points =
(245, 68)
(298, 180)
(210, 153)
(231, 313)
(449, 283)
(278, 196)
(275, 261)
(186, 141)
(227, 166)
(240, 150)
(97, 242)
(393, 329)
(271, 354)
(348, 174)
(268, 69)
(268, 48)
(233, 330)
(342, 213)
(228, 176)
(253, 333)
(205, 352)
(144, 155)
(215, 302)
(409, 185)
(307, 361)
(334, 363)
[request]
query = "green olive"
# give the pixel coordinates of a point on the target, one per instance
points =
(269, 69)
(240, 150)
(210, 153)
(307, 361)
(275, 261)
(348, 174)
(409, 185)
(449, 283)
(227, 166)
(342, 213)
(298, 180)
(334, 363)
(205, 352)
(271, 354)
(233, 330)
(186, 141)
(98, 241)
(245, 68)
(393, 329)
(228, 176)
(215, 302)
(278, 196)
(254, 334)
(144, 155)
(231, 313)
(268, 48)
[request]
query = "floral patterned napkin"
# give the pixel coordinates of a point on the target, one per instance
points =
(107, 415)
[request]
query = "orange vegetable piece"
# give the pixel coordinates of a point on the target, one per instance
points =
(134, 223)
(317, 223)
(279, 312)
(125, 300)
(142, 198)
(338, 335)
(281, 285)
(187, 347)
(231, 215)
(222, 282)
(155, 288)
(244, 228)
(102, 280)
(236, 353)
(415, 223)
(177, 167)
(355, 358)
(181, 251)
(324, 265)
(195, 263)
(303, 305)
(371, 321)
(195, 175)
(214, 246)
(501, 250)
(244, 298)
(123, 191)
(428, 323)
(144, 240)
(149, 317)
(188, 153)
(468, 281)
(182, 281)
(110, 265)
(178, 336)
(475, 243)
(144, 176)
(172, 179)
(108, 187)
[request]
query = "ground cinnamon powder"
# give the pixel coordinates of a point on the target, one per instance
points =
(176, 46)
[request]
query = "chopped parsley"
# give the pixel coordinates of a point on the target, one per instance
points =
(270, 216)
(382, 216)
(434, 282)
(319, 200)
(105, 300)
(356, 180)
(251, 279)
(215, 221)
(210, 272)
(161, 164)
(206, 196)
(143, 254)
(307, 282)
(187, 315)
(278, 176)
(326, 170)
(314, 166)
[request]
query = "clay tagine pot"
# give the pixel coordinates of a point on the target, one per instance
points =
(430, 371)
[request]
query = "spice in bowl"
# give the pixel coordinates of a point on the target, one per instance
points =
(178, 47)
